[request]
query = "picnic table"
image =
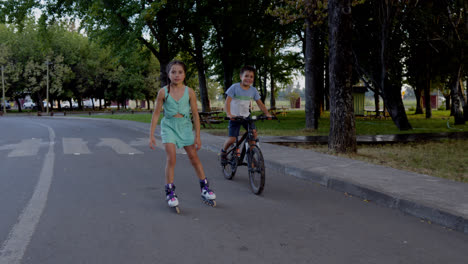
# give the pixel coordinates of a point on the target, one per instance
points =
(368, 112)
(208, 118)
(283, 111)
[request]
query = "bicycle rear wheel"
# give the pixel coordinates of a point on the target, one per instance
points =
(229, 166)
(256, 170)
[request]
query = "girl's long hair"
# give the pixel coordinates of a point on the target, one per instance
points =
(168, 70)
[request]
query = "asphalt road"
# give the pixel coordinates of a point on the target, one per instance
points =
(91, 191)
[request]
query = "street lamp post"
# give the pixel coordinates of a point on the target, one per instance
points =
(47, 100)
(3, 93)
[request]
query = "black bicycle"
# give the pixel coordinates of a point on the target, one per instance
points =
(250, 155)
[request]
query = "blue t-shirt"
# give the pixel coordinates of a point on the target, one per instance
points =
(241, 98)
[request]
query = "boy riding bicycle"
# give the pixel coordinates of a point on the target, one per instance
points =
(237, 103)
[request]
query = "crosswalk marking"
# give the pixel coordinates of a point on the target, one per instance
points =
(27, 147)
(78, 146)
(118, 146)
(75, 146)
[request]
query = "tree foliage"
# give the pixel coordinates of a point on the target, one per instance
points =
(422, 43)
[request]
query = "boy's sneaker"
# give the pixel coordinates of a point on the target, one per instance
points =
(171, 198)
(223, 155)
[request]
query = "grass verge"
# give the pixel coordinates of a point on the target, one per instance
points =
(446, 158)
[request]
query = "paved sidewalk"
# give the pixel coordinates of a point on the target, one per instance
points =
(434, 199)
(368, 139)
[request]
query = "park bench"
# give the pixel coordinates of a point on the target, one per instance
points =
(371, 112)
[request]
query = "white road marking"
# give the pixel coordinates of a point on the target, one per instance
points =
(7, 147)
(75, 146)
(15, 245)
(139, 142)
(118, 146)
(27, 147)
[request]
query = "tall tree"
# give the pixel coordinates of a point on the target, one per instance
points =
(153, 24)
(196, 29)
(309, 14)
(383, 70)
(418, 57)
(457, 32)
(342, 137)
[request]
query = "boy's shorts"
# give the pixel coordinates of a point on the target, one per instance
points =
(234, 127)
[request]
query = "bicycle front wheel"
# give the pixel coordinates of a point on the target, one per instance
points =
(256, 170)
(229, 165)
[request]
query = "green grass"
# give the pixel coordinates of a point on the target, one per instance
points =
(445, 158)
(144, 118)
(294, 124)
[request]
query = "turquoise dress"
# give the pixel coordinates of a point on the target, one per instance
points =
(177, 130)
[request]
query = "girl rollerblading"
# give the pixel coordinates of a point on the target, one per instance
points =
(176, 129)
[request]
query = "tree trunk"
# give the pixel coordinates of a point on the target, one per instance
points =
(377, 103)
(342, 137)
(456, 102)
(377, 93)
(18, 104)
(164, 60)
(327, 84)
(427, 80)
(427, 100)
(39, 104)
(320, 74)
(200, 62)
(312, 107)
(447, 102)
(418, 95)
(272, 93)
(465, 100)
(228, 73)
(263, 90)
(395, 107)
(272, 83)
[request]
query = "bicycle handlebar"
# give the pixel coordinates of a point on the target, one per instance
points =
(251, 118)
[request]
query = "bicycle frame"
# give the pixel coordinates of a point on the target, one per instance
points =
(247, 137)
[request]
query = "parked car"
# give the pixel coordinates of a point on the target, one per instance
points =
(29, 105)
(44, 103)
(87, 103)
(7, 106)
(66, 104)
